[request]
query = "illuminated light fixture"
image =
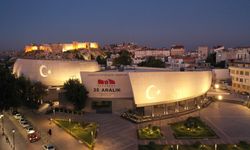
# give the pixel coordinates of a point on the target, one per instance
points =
(57, 88)
(216, 86)
(152, 92)
(220, 97)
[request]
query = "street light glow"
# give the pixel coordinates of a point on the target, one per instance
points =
(220, 97)
(217, 86)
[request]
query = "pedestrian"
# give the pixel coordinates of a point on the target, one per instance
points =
(50, 132)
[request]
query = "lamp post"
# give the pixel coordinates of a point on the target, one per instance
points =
(248, 98)
(1, 117)
(93, 138)
(13, 135)
(199, 108)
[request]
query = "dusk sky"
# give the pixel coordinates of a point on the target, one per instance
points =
(154, 23)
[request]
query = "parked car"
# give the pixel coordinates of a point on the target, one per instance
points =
(22, 120)
(18, 116)
(14, 112)
(30, 129)
(48, 147)
(33, 137)
(25, 124)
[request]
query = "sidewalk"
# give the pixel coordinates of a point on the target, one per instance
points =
(3, 144)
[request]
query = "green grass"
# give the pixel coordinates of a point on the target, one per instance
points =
(85, 132)
(150, 132)
(201, 131)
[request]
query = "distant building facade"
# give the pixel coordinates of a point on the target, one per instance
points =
(177, 50)
(203, 52)
(154, 53)
(243, 53)
(240, 74)
(61, 47)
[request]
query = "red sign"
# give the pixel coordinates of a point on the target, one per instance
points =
(109, 81)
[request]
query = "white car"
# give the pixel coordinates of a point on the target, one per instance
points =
(30, 130)
(49, 147)
(18, 116)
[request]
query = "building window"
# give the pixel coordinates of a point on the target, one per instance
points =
(241, 80)
(241, 72)
(232, 71)
(247, 73)
(237, 72)
(237, 79)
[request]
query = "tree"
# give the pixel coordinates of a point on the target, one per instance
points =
(101, 60)
(211, 59)
(76, 93)
(30, 93)
(123, 59)
(19, 91)
(152, 62)
(8, 94)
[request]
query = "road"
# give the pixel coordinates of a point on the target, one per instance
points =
(61, 139)
(20, 136)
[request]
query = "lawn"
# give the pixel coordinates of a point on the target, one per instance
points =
(153, 146)
(85, 132)
(193, 127)
(150, 132)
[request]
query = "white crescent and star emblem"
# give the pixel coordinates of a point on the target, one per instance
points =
(44, 71)
(152, 92)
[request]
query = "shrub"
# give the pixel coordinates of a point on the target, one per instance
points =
(191, 122)
(196, 144)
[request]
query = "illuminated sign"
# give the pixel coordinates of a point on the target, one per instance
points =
(107, 84)
(44, 71)
(152, 92)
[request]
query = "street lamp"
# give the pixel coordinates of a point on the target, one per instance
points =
(93, 138)
(1, 117)
(199, 108)
(13, 134)
(216, 86)
(220, 97)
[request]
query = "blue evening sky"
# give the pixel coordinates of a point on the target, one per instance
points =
(155, 23)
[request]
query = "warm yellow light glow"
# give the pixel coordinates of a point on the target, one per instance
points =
(220, 97)
(77, 46)
(31, 48)
(94, 45)
(216, 86)
(62, 47)
(53, 72)
(161, 87)
(152, 92)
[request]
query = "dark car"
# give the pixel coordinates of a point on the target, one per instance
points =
(14, 112)
(33, 137)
